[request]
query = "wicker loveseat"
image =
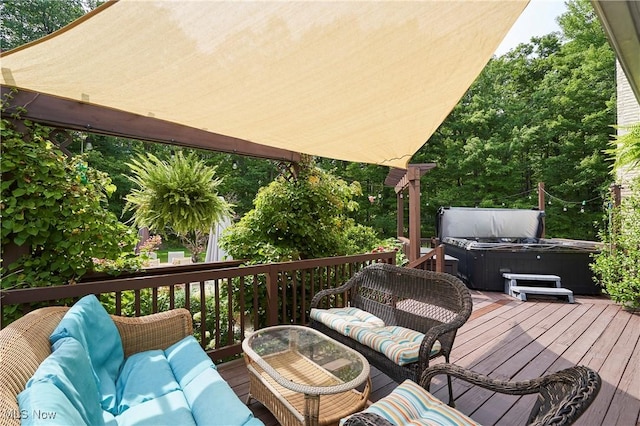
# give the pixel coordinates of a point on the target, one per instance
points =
(50, 374)
(401, 300)
(562, 397)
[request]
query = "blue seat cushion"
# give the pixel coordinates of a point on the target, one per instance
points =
(187, 360)
(89, 323)
(43, 403)
(144, 376)
(169, 409)
(213, 402)
(68, 368)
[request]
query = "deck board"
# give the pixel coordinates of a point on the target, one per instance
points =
(509, 339)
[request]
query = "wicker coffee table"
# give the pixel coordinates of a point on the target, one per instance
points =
(304, 377)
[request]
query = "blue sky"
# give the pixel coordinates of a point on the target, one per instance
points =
(539, 18)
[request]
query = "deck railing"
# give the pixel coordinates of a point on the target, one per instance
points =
(225, 302)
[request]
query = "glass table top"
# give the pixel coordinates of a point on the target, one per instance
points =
(305, 360)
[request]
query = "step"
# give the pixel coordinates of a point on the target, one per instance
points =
(522, 292)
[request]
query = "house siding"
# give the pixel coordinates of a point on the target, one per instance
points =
(628, 113)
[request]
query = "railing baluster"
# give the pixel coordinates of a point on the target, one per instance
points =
(242, 309)
(136, 298)
(217, 312)
(256, 306)
(154, 298)
(187, 297)
(172, 296)
(203, 315)
(118, 303)
(230, 316)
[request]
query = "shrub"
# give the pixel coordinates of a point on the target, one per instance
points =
(617, 266)
(54, 208)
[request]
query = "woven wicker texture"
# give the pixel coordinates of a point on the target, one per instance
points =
(288, 406)
(24, 344)
(562, 396)
(433, 303)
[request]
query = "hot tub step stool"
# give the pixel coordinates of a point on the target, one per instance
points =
(512, 288)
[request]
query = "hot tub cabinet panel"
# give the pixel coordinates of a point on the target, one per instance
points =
(482, 269)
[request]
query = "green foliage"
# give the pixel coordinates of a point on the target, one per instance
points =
(178, 196)
(625, 149)
(26, 20)
(617, 266)
(302, 218)
(54, 208)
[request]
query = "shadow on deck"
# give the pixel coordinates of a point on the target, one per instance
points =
(509, 339)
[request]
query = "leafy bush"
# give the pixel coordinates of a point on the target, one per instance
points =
(53, 207)
(297, 218)
(617, 267)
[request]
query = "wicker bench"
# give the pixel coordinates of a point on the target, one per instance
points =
(432, 303)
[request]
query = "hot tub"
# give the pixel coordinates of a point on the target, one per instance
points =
(489, 242)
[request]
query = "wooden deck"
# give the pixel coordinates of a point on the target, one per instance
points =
(509, 339)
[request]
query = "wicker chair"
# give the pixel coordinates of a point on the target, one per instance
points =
(24, 344)
(562, 396)
(433, 303)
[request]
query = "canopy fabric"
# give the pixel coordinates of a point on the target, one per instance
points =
(362, 81)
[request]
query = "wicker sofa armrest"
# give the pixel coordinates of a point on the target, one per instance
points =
(437, 333)
(562, 396)
(155, 331)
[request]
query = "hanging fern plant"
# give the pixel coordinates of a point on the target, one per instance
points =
(179, 196)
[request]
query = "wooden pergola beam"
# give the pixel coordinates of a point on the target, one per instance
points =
(400, 180)
(74, 115)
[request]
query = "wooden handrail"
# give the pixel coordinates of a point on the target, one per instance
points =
(423, 262)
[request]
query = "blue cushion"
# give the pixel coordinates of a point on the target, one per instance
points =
(187, 360)
(68, 368)
(169, 409)
(109, 419)
(210, 396)
(145, 375)
(43, 403)
(88, 322)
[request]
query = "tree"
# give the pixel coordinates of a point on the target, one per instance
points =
(539, 113)
(27, 20)
(178, 196)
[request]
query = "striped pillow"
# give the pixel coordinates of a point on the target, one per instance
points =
(410, 404)
(343, 319)
(401, 345)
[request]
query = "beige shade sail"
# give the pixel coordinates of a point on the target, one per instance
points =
(362, 81)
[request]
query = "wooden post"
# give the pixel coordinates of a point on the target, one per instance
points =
(616, 194)
(413, 175)
(272, 297)
(440, 258)
(400, 214)
(541, 205)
